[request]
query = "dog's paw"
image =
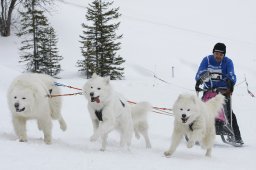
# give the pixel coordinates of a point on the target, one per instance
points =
(208, 152)
(148, 146)
(167, 153)
(63, 127)
(190, 144)
(102, 149)
(137, 135)
(23, 140)
(47, 141)
(93, 138)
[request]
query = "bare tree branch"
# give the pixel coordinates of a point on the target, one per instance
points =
(6, 16)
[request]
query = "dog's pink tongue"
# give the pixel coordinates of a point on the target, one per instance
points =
(97, 99)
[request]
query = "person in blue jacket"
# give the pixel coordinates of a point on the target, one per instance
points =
(217, 71)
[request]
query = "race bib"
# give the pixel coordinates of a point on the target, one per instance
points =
(216, 74)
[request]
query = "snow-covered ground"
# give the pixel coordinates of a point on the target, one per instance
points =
(158, 35)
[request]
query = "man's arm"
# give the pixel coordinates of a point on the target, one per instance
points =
(231, 77)
(231, 73)
(202, 68)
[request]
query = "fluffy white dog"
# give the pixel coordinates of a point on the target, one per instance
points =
(27, 99)
(110, 110)
(196, 120)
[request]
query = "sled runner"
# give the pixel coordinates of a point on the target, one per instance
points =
(223, 127)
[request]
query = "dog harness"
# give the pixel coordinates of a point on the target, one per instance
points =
(191, 126)
(99, 114)
(122, 103)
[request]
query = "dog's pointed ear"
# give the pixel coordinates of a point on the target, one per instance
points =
(175, 105)
(194, 99)
(94, 75)
(179, 97)
(107, 79)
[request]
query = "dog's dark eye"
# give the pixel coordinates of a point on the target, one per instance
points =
(15, 97)
(91, 87)
(181, 109)
(23, 98)
(99, 88)
(188, 110)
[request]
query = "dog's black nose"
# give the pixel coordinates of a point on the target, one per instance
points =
(16, 105)
(183, 115)
(91, 94)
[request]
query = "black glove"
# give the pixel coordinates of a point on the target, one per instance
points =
(204, 76)
(198, 82)
(230, 85)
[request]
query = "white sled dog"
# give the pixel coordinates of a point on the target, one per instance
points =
(196, 120)
(109, 110)
(27, 99)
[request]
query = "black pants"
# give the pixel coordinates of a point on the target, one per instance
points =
(235, 126)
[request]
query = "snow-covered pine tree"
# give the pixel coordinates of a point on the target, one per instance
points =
(88, 64)
(33, 23)
(51, 59)
(39, 50)
(101, 33)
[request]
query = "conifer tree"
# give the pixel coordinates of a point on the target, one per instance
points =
(101, 33)
(87, 65)
(39, 50)
(51, 59)
(33, 23)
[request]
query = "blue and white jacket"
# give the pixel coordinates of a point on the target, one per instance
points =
(225, 67)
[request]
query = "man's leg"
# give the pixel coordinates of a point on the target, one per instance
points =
(234, 121)
(236, 129)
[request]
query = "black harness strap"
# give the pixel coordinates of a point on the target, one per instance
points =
(122, 103)
(191, 126)
(99, 114)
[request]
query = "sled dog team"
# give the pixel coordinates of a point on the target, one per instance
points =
(28, 98)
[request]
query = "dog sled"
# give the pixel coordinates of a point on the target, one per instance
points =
(223, 122)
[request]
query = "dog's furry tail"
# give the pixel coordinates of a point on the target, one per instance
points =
(216, 104)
